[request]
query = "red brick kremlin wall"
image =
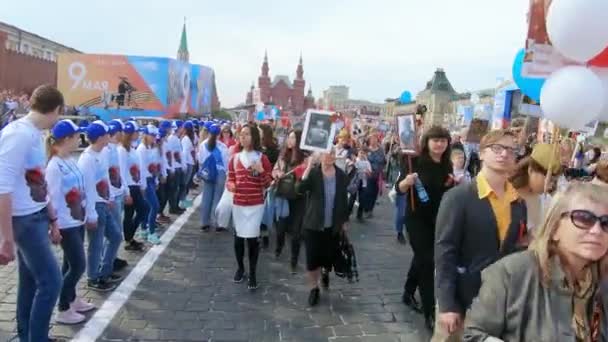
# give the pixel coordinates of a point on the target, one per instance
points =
(20, 72)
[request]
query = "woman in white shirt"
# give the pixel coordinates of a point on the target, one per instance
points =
(135, 204)
(149, 157)
(189, 155)
(67, 191)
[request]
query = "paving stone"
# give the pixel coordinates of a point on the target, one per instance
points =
(348, 330)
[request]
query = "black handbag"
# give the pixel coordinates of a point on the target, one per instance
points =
(286, 186)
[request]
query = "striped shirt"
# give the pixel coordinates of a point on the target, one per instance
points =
(249, 189)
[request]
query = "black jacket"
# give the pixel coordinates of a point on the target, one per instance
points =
(315, 208)
(467, 241)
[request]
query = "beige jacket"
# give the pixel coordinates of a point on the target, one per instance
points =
(514, 306)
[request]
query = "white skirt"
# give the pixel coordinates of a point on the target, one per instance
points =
(247, 220)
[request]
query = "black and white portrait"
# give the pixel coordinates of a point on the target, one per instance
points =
(406, 125)
(318, 131)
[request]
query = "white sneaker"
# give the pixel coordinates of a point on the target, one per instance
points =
(69, 317)
(79, 305)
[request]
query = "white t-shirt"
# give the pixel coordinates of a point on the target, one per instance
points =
(22, 167)
(167, 158)
(67, 191)
(150, 161)
(117, 184)
(132, 168)
(204, 153)
(175, 146)
(94, 167)
(188, 150)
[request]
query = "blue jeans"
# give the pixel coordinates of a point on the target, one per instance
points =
(212, 192)
(400, 207)
(39, 276)
(119, 208)
(153, 205)
(183, 184)
(102, 252)
(74, 264)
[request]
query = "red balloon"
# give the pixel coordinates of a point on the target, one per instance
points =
(600, 60)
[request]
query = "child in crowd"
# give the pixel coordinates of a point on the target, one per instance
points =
(461, 175)
(363, 166)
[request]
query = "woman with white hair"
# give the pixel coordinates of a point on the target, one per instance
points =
(555, 291)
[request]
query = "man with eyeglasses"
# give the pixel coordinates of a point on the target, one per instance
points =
(477, 224)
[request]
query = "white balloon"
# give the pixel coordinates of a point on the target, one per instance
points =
(572, 97)
(602, 73)
(578, 29)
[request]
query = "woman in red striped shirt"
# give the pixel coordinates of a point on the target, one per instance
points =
(249, 174)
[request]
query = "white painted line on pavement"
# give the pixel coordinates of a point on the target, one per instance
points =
(104, 315)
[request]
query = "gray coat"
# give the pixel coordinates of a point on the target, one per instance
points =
(513, 305)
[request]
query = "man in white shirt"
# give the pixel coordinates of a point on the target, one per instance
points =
(27, 216)
(175, 145)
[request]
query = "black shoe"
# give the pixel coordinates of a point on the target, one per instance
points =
(100, 285)
(205, 228)
(252, 284)
(293, 268)
(429, 322)
(265, 242)
(410, 300)
(178, 211)
(119, 265)
(134, 246)
(313, 297)
(239, 276)
(401, 238)
(114, 278)
(325, 280)
(220, 229)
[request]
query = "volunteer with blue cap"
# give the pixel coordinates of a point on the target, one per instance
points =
(118, 187)
(149, 157)
(136, 210)
(101, 222)
(189, 154)
(175, 146)
(166, 182)
(213, 159)
(66, 188)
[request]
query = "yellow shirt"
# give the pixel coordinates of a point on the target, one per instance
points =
(500, 206)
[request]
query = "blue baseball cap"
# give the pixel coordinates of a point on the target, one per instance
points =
(188, 125)
(65, 128)
(208, 125)
(165, 124)
(131, 127)
(163, 132)
(83, 123)
(150, 130)
(97, 129)
(178, 124)
(115, 126)
(196, 123)
(214, 129)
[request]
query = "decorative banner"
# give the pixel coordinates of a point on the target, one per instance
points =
(113, 86)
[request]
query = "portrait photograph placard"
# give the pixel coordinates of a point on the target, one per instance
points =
(406, 128)
(318, 132)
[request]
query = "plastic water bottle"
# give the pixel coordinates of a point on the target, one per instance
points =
(422, 195)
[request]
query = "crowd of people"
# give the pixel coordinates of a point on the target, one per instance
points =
(507, 245)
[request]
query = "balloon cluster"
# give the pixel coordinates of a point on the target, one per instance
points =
(577, 94)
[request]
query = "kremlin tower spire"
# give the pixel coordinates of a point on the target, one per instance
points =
(182, 52)
(265, 68)
(300, 69)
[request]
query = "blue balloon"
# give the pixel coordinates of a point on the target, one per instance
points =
(529, 86)
(260, 116)
(406, 97)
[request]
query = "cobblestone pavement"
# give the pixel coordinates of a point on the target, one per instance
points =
(188, 294)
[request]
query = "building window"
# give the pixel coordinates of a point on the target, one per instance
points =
(25, 48)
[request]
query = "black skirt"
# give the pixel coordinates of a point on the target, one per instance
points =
(321, 248)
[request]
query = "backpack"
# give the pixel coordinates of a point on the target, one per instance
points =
(209, 168)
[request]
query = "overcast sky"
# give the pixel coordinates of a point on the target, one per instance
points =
(376, 47)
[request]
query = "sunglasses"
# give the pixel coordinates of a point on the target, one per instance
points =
(499, 149)
(584, 219)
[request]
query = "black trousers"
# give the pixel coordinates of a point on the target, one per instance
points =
(163, 192)
(293, 225)
(253, 247)
(135, 213)
(422, 270)
(175, 188)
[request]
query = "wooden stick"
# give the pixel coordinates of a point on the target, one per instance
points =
(413, 187)
(552, 161)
